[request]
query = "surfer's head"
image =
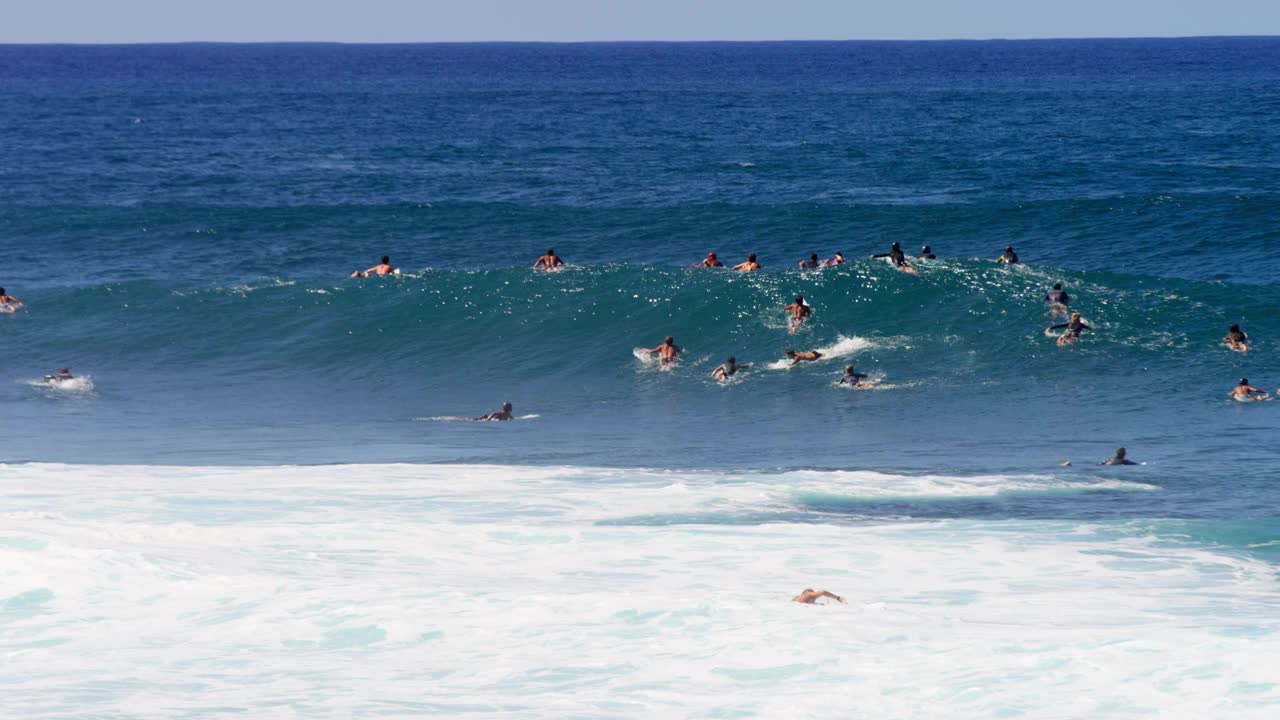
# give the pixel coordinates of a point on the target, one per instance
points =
(551, 251)
(1235, 327)
(386, 259)
(669, 340)
(813, 257)
(1244, 381)
(895, 247)
(848, 369)
(1075, 316)
(800, 299)
(751, 257)
(1, 291)
(790, 352)
(926, 249)
(839, 256)
(1119, 453)
(1057, 286)
(711, 256)
(64, 371)
(732, 360)
(506, 407)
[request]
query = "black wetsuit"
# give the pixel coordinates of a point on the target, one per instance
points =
(1057, 296)
(1074, 328)
(896, 256)
(928, 256)
(852, 378)
(1009, 257)
(1118, 461)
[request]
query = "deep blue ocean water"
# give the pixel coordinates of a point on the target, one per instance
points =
(181, 220)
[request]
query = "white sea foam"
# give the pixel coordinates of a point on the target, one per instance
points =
(81, 384)
(841, 348)
(352, 591)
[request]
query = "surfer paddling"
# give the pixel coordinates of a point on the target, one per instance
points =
(1072, 329)
(728, 369)
(503, 414)
(837, 259)
(812, 262)
(1057, 298)
(798, 357)
(895, 255)
(62, 375)
(1008, 257)
(926, 253)
(1118, 459)
(1235, 339)
(710, 261)
(9, 300)
(853, 379)
(668, 352)
(382, 268)
(809, 596)
(1244, 391)
(549, 262)
(749, 266)
(800, 311)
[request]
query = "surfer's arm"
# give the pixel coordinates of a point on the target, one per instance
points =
(880, 255)
(1057, 327)
(831, 595)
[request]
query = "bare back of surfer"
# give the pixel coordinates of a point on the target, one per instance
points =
(382, 268)
(749, 266)
(7, 299)
(800, 311)
(1244, 391)
(668, 352)
(549, 261)
(798, 357)
(809, 596)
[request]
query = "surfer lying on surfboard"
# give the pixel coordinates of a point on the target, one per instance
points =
(798, 357)
(800, 311)
(1073, 327)
(897, 258)
(1244, 391)
(8, 300)
(503, 414)
(668, 352)
(1235, 339)
(549, 262)
(382, 268)
(730, 366)
(853, 379)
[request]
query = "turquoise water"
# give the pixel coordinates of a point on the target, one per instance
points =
(181, 222)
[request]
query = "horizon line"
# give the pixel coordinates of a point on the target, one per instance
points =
(637, 42)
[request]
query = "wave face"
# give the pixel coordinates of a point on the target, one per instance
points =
(181, 222)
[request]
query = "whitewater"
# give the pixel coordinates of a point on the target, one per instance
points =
(401, 590)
